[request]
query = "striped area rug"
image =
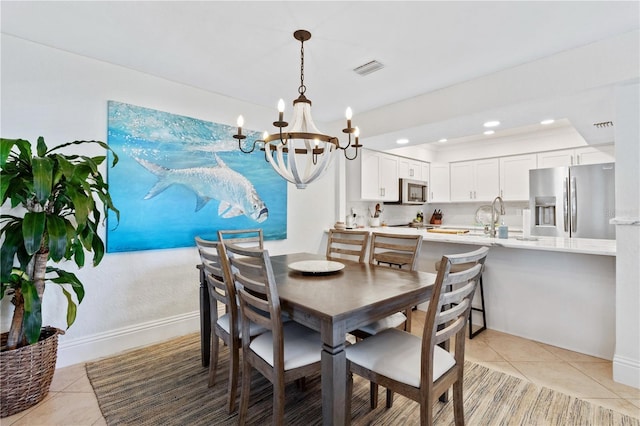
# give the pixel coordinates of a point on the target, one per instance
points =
(165, 384)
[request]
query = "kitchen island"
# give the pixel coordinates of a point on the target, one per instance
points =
(559, 291)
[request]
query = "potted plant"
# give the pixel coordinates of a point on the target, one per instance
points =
(58, 201)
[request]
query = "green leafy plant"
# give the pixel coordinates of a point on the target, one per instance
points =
(63, 199)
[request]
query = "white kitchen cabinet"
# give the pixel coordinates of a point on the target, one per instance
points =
(576, 156)
(477, 180)
(514, 176)
(439, 182)
(596, 154)
(462, 181)
(559, 158)
(426, 175)
(410, 169)
(379, 176)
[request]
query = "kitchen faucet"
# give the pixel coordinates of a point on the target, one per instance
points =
(492, 233)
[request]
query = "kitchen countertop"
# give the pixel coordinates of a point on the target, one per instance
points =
(476, 237)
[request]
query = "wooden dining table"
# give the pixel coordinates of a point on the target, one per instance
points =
(334, 304)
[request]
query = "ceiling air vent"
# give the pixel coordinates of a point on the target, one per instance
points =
(603, 124)
(368, 68)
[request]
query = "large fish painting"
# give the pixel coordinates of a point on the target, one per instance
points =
(179, 177)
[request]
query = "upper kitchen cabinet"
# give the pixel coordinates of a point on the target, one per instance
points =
(596, 154)
(477, 180)
(410, 169)
(426, 175)
(576, 156)
(514, 176)
(379, 176)
(439, 183)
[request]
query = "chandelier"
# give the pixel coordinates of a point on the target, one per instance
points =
(299, 152)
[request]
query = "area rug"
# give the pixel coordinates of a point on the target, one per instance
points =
(165, 384)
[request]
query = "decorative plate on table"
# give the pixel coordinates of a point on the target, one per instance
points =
(316, 267)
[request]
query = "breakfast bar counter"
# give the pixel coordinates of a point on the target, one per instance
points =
(477, 237)
(558, 291)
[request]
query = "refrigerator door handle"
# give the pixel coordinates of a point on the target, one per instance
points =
(574, 205)
(565, 202)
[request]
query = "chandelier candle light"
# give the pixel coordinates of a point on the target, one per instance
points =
(308, 151)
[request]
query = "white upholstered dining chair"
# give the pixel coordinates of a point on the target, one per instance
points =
(225, 327)
(392, 250)
(286, 352)
(424, 368)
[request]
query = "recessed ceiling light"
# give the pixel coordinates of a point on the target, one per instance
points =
(547, 121)
(494, 123)
(443, 140)
(489, 132)
(402, 141)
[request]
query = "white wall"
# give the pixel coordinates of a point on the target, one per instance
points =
(626, 361)
(136, 298)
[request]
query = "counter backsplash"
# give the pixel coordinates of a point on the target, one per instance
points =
(453, 214)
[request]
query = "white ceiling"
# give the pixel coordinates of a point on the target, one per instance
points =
(246, 50)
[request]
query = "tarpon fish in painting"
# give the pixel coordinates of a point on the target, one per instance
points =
(235, 192)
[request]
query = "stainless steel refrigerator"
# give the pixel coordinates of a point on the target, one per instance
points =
(575, 201)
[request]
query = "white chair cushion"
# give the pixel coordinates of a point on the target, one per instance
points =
(392, 321)
(254, 329)
(396, 354)
(302, 346)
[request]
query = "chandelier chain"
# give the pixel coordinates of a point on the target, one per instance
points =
(302, 87)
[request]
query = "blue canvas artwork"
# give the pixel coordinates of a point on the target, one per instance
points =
(180, 177)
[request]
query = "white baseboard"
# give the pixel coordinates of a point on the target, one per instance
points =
(112, 342)
(626, 371)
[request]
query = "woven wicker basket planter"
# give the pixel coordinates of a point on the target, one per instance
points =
(26, 372)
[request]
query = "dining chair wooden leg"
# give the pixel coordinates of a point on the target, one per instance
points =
(278, 401)
(349, 396)
(234, 353)
(426, 413)
(407, 323)
(244, 393)
(458, 403)
(373, 395)
(301, 384)
(213, 360)
(389, 398)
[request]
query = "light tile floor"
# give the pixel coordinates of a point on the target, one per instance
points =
(71, 400)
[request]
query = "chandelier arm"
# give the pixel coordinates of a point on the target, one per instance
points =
(285, 140)
(348, 143)
(240, 137)
(351, 158)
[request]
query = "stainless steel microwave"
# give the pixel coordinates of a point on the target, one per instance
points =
(413, 191)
